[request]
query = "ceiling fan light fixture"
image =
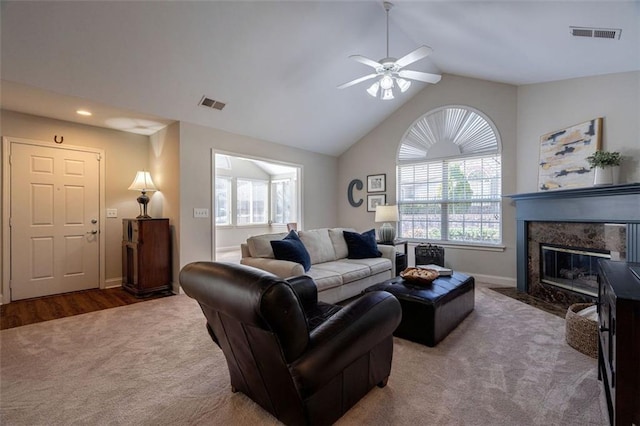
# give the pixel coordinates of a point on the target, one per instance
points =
(386, 82)
(390, 72)
(403, 84)
(373, 89)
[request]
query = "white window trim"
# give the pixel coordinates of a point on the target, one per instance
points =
(399, 163)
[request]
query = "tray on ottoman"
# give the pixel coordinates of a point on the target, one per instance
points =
(431, 312)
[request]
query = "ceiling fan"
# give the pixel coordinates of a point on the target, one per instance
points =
(390, 70)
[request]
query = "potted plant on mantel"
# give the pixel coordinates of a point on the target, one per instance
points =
(606, 164)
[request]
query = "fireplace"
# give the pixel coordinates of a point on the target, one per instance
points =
(561, 244)
(571, 268)
(599, 220)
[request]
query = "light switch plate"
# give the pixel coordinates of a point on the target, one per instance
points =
(112, 212)
(200, 212)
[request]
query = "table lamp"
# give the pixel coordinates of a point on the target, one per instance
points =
(143, 183)
(386, 214)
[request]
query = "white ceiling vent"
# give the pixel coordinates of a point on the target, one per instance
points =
(610, 33)
(211, 103)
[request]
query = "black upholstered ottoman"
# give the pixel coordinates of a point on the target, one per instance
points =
(430, 312)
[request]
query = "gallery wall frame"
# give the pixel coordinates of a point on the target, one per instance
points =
(375, 200)
(563, 156)
(377, 183)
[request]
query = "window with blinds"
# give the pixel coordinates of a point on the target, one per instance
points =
(449, 179)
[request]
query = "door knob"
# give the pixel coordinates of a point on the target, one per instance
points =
(92, 232)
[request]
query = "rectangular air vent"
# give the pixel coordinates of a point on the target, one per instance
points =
(211, 103)
(610, 33)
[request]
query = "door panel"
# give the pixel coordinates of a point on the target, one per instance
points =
(54, 199)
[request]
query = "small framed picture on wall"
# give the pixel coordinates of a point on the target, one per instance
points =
(377, 183)
(375, 200)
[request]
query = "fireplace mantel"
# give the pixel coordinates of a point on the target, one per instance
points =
(600, 204)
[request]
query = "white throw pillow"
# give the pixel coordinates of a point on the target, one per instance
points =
(339, 243)
(318, 244)
(260, 245)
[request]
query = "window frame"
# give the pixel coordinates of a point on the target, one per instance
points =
(296, 177)
(251, 201)
(444, 161)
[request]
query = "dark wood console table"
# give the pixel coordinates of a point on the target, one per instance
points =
(619, 340)
(146, 256)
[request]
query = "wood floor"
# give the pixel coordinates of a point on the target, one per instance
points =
(31, 311)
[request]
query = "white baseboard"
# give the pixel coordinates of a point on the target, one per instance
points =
(493, 279)
(228, 248)
(113, 282)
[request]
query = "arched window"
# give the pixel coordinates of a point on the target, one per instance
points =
(449, 178)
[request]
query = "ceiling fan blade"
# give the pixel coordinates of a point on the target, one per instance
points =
(416, 55)
(357, 80)
(420, 76)
(364, 60)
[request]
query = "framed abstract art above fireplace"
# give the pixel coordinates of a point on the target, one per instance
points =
(563, 156)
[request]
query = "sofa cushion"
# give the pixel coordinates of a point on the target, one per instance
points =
(376, 264)
(362, 246)
(318, 245)
(324, 278)
(349, 271)
(291, 248)
(339, 243)
(260, 245)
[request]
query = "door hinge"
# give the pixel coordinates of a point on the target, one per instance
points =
(98, 157)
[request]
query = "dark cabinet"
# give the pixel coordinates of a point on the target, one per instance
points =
(146, 256)
(619, 340)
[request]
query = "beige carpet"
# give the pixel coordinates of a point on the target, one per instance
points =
(154, 364)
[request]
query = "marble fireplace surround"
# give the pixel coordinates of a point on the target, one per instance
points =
(610, 237)
(602, 217)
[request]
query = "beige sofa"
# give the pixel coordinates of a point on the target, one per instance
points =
(336, 276)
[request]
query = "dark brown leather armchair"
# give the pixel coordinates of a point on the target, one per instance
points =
(304, 361)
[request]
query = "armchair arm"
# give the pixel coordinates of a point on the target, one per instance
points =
(281, 268)
(306, 289)
(389, 252)
(344, 337)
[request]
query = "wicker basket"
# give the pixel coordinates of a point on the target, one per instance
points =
(582, 333)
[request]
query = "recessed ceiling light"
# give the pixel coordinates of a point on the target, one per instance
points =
(83, 112)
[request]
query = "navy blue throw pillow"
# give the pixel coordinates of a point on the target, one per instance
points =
(291, 248)
(361, 246)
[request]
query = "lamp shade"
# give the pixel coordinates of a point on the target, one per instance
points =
(386, 213)
(143, 182)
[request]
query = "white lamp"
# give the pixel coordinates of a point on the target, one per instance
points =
(143, 183)
(386, 214)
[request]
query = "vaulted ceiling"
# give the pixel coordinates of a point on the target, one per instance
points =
(276, 65)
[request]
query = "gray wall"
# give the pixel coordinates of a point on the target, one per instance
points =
(319, 183)
(545, 107)
(377, 152)
(164, 158)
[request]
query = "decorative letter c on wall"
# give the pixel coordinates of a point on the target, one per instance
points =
(358, 184)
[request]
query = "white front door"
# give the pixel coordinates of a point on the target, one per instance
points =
(55, 222)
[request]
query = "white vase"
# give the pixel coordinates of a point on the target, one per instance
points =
(603, 176)
(616, 174)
